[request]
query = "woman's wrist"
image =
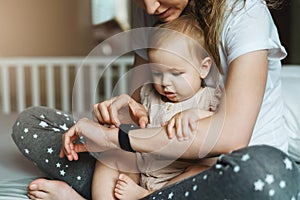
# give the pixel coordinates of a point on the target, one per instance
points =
(112, 138)
(123, 136)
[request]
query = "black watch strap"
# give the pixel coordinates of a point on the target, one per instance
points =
(124, 138)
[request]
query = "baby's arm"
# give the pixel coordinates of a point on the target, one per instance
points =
(184, 124)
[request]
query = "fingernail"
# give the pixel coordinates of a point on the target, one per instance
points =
(33, 186)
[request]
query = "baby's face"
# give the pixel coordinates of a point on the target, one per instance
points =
(165, 10)
(173, 76)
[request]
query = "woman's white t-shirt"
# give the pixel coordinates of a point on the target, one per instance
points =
(248, 28)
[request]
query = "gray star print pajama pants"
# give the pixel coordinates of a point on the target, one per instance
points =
(256, 172)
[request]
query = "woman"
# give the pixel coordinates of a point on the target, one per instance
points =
(246, 39)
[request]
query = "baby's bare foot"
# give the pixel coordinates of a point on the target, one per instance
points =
(43, 189)
(127, 189)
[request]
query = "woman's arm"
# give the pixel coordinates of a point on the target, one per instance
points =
(228, 129)
(231, 127)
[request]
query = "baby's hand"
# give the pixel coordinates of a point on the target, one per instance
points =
(184, 124)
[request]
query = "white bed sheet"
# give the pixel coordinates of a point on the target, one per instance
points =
(14, 189)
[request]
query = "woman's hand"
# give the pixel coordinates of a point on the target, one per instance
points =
(107, 112)
(183, 124)
(85, 135)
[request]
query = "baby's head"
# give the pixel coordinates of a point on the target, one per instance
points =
(179, 62)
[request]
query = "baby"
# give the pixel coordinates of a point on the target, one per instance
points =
(178, 86)
(177, 94)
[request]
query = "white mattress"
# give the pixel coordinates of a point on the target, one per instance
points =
(14, 189)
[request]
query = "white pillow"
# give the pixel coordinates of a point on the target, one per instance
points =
(291, 95)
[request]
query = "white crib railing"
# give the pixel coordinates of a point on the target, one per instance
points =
(59, 82)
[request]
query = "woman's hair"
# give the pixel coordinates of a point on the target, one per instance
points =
(210, 15)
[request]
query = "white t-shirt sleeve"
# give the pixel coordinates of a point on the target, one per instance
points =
(249, 29)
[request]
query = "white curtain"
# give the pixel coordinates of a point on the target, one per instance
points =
(105, 10)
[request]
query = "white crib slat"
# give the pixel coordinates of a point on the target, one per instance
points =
(65, 87)
(93, 83)
(21, 101)
(123, 82)
(86, 86)
(35, 85)
(79, 92)
(108, 83)
(6, 107)
(50, 86)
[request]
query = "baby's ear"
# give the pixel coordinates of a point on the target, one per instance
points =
(205, 67)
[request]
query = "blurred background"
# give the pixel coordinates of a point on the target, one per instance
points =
(43, 44)
(40, 38)
(58, 27)
(74, 27)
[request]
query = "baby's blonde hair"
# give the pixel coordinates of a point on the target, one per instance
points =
(187, 25)
(184, 28)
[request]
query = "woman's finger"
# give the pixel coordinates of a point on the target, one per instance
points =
(139, 113)
(96, 114)
(143, 121)
(142, 116)
(114, 117)
(79, 147)
(101, 111)
(62, 153)
(68, 146)
(104, 116)
(66, 139)
(115, 106)
(74, 155)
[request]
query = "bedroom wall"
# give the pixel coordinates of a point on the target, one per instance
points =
(295, 29)
(64, 28)
(287, 20)
(45, 28)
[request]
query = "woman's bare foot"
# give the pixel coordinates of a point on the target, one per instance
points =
(127, 189)
(43, 189)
